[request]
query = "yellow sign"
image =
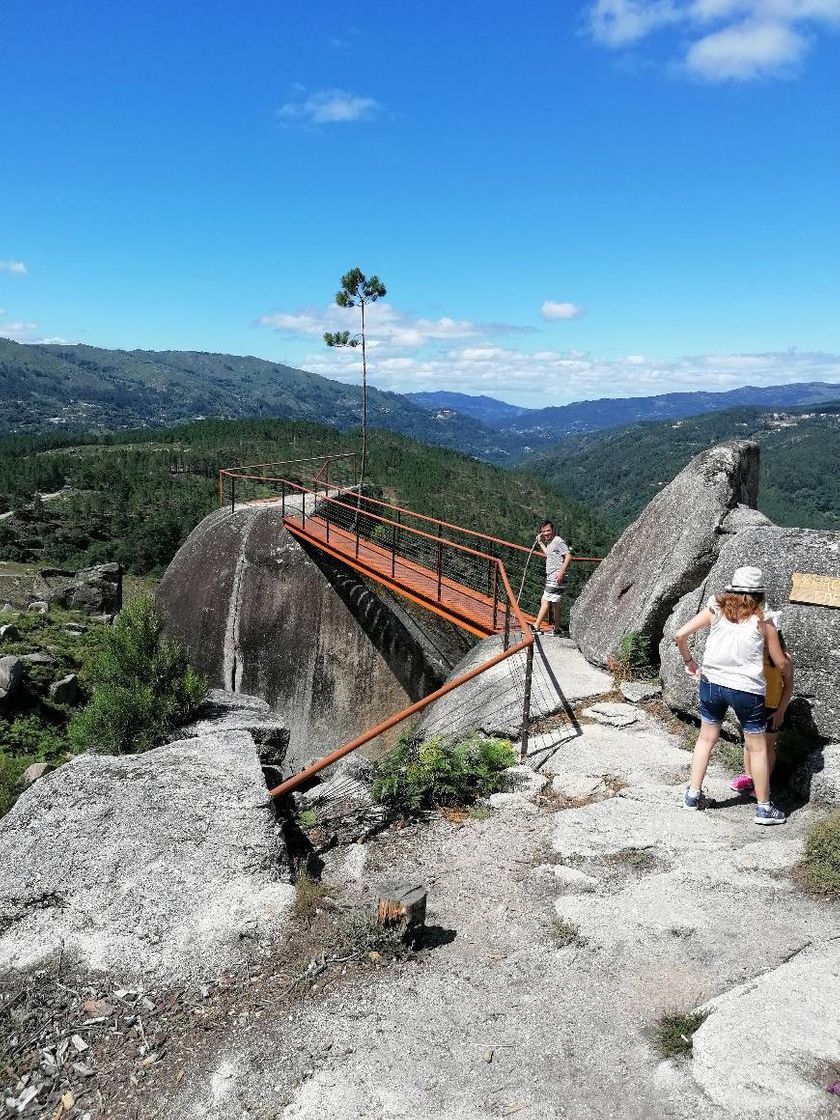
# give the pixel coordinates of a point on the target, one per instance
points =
(822, 590)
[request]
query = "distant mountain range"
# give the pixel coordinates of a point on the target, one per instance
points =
(83, 388)
(489, 411)
(539, 426)
(617, 472)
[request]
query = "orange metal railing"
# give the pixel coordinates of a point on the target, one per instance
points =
(422, 558)
(321, 464)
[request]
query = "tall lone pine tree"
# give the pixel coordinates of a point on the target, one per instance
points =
(357, 291)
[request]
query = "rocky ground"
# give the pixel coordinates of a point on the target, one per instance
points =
(563, 924)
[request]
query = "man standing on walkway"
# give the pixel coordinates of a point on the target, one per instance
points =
(557, 560)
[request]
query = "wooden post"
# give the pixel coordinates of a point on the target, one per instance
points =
(402, 906)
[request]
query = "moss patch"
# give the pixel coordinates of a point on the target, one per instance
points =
(675, 1033)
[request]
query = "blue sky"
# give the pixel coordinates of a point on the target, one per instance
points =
(565, 200)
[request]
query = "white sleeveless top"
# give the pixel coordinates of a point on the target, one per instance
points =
(734, 653)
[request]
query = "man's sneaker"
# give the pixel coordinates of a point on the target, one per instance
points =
(768, 814)
(694, 800)
(742, 784)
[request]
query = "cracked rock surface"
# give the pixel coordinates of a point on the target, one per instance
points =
(168, 863)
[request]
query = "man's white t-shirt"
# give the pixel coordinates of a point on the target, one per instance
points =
(556, 552)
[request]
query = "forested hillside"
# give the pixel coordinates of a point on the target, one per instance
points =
(618, 472)
(55, 388)
(134, 497)
(84, 388)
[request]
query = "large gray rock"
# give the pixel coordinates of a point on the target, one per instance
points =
(818, 777)
(236, 711)
(812, 633)
(94, 590)
(774, 1070)
(66, 690)
(666, 552)
(171, 862)
(11, 673)
(260, 615)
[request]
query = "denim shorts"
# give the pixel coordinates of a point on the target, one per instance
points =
(748, 706)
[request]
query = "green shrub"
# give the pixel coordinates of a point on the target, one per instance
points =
(10, 770)
(675, 1033)
(632, 660)
(144, 687)
(31, 735)
(821, 866)
(420, 775)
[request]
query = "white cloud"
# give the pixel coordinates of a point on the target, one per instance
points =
(414, 353)
(720, 40)
(558, 377)
(328, 106)
(385, 325)
(619, 22)
(18, 330)
(745, 50)
(17, 268)
(551, 310)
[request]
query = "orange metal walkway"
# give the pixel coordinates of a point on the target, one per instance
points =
(419, 557)
(480, 614)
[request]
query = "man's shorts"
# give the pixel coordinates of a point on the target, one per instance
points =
(747, 706)
(553, 593)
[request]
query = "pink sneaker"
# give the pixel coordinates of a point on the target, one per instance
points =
(742, 784)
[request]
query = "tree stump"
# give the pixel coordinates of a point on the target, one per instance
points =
(402, 906)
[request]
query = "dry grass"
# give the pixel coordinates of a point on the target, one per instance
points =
(566, 933)
(635, 859)
(309, 897)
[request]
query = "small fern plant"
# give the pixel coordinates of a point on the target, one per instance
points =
(418, 775)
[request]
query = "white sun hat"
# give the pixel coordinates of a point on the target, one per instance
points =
(747, 581)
